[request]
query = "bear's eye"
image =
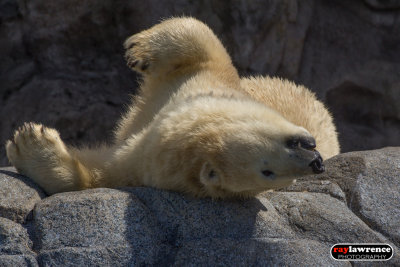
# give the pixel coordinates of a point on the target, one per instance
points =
(267, 173)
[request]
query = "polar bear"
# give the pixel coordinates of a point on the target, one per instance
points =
(195, 127)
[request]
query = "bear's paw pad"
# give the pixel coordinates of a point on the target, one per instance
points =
(33, 142)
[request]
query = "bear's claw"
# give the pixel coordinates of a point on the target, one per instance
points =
(137, 53)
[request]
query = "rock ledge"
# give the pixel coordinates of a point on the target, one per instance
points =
(356, 201)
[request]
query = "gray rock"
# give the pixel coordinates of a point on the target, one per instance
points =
(18, 195)
(370, 181)
(184, 218)
(355, 200)
(15, 245)
(316, 216)
(375, 197)
(98, 220)
(93, 256)
(14, 239)
(18, 260)
(317, 185)
(255, 252)
(153, 226)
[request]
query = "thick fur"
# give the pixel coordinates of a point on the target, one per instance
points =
(195, 126)
(299, 106)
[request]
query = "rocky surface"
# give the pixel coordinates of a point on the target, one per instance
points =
(62, 62)
(22, 191)
(355, 200)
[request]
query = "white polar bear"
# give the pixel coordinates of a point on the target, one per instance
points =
(195, 126)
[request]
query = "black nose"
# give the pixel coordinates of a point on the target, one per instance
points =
(317, 165)
(306, 142)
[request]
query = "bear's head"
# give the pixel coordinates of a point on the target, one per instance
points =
(252, 148)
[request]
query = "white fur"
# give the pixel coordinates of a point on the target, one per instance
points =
(195, 126)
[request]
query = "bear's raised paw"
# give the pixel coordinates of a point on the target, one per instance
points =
(138, 53)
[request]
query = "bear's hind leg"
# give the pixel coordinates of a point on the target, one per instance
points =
(39, 153)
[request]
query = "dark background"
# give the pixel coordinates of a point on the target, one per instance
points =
(62, 61)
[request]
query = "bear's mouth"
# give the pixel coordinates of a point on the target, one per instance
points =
(317, 165)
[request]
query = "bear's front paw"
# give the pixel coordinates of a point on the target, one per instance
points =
(34, 147)
(138, 53)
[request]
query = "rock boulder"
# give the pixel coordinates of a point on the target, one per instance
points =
(355, 201)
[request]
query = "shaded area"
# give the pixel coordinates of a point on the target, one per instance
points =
(62, 62)
(364, 118)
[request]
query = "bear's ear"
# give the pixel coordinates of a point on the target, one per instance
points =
(208, 175)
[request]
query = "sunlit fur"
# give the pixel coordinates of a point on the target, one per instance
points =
(299, 106)
(195, 126)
